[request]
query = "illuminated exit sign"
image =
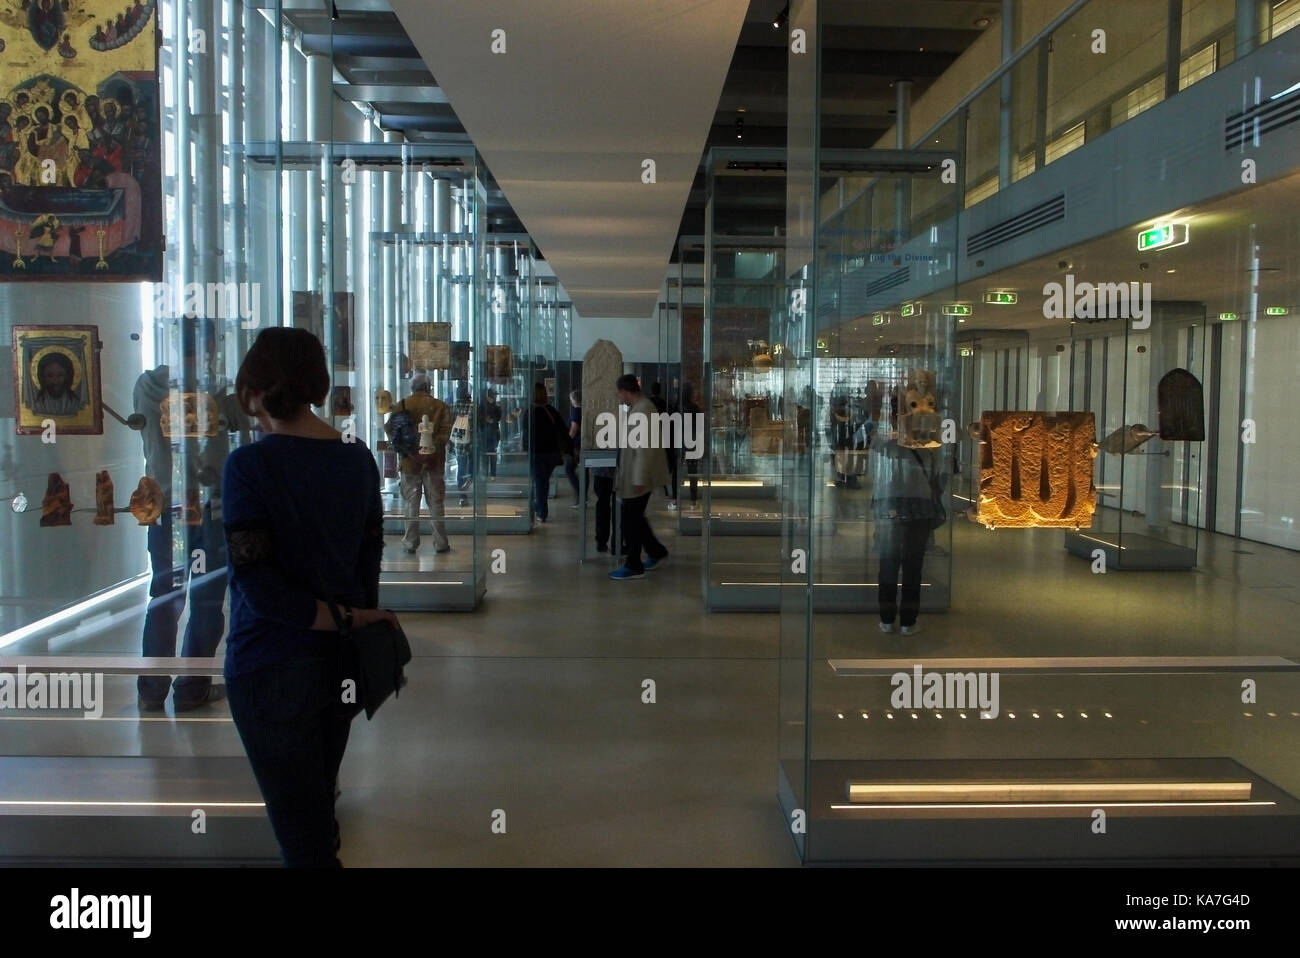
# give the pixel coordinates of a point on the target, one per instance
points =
(1000, 297)
(957, 309)
(909, 309)
(1275, 311)
(1163, 237)
(878, 319)
(965, 352)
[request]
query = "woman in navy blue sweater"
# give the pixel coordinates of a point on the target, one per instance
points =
(303, 521)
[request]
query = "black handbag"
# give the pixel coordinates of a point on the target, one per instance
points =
(374, 656)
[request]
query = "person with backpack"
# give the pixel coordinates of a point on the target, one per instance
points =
(548, 440)
(421, 472)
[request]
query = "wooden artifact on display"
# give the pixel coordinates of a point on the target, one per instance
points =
(147, 501)
(105, 514)
(601, 367)
(190, 416)
(1036, 469)
(56, 509)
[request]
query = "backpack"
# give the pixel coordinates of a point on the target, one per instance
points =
(405, 438)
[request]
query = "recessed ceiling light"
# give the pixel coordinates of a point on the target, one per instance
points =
(1171, 270)
(982, 22)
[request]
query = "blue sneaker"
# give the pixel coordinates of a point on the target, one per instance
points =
(651, 564)
(625, 573)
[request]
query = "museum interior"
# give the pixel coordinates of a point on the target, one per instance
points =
(1041, 254)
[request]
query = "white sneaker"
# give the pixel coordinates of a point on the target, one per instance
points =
(911, 629)
(886, 627)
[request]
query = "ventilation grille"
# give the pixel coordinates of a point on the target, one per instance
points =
(1241, 128)
(1049, 211)
(897, 278)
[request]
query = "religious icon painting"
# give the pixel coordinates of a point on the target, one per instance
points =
(56, 380)
(80, 170)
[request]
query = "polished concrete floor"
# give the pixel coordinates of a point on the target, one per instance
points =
(533, 704)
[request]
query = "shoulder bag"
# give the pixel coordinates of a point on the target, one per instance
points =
(374, 655)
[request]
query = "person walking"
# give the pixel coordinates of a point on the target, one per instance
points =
(573, 457)
(421, 473)
(547, 438)
(640, 471)
(303, 522)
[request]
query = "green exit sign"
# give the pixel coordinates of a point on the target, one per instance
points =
(878, 319)
(1162, 237)
(1275, 311)
(966, 352)
(909, 309)
(1227, 317)
(999, 297)
(957, 309)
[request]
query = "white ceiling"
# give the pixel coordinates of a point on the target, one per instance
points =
(587, 90)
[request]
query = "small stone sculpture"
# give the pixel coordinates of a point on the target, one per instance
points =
(105, 513)
(147, 501)
(383, 402)
(426, 436)
(56, 509)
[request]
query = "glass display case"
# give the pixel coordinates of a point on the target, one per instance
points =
(1060, 709)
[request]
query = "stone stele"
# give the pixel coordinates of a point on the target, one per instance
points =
(1036, 469)
(601, 368)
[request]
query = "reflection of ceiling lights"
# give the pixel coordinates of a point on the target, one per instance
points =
(780, 19)
(1164, 236)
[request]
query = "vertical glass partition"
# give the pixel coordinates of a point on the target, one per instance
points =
(1059, 686)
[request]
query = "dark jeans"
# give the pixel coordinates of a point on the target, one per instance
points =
(571, 471)
(671, 488)
(638, 535)
(693, 472)
(464, 470)
(295, 728)
(167, 590)
(490, 454)
(901, 545)
(543, 466)
(604, 486)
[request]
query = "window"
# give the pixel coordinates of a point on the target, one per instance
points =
(1198, 66)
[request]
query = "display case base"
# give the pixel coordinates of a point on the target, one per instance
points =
(971, 829)
(131, 810)
(1131, 551)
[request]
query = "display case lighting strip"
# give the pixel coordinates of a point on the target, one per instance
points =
(890, 793)
(1256, 803)
(71, 612)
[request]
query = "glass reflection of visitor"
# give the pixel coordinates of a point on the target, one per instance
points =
(907, 505)
(173, 576)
